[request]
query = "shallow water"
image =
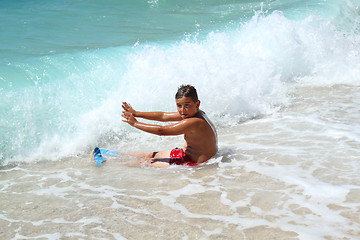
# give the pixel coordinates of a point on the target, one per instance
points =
(289, 175)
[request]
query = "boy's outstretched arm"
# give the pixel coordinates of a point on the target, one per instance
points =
(173, 129)
(157, 116)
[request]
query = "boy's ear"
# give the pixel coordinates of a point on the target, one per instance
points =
(198, 104)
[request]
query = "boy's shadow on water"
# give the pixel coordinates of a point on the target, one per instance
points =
(224, 155)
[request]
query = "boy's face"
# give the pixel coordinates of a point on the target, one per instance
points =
(187, 107)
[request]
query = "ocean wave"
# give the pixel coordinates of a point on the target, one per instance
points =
(73, 101)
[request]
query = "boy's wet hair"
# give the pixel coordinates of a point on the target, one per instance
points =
(187, 91)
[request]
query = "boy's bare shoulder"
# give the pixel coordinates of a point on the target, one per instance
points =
(194, 121)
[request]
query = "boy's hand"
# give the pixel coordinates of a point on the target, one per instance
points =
(128, 108)
(129, 118)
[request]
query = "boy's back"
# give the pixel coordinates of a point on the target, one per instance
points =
(201, 139)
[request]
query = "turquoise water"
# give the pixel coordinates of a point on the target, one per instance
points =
(65, 66)
(37, 28)
(42, 28)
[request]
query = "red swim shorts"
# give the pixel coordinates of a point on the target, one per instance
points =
(178, 157)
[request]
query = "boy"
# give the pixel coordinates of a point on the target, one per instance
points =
(199, 133)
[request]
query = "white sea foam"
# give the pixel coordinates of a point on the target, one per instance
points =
(240, 74)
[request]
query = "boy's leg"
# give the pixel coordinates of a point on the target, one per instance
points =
(142, 155)
(147, 158)
(165, 154)
(150, 159)
(160, 160)
(159, 164)
(115, 153)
